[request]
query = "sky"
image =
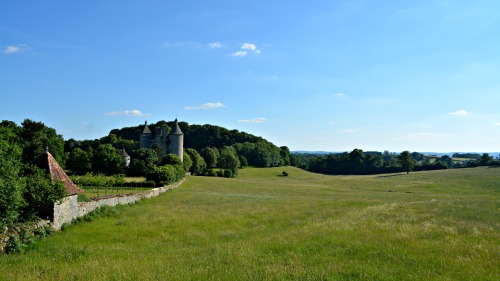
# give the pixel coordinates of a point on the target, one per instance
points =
(319, 76)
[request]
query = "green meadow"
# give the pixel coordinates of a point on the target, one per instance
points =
(436, 225)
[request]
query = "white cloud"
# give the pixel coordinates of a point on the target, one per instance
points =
(347, 131)
(239, 54)
(461, 112)
(340, 95)
(254, 120)
(215, 45)
(497, 124)
(205, 106)
(133, 112)
(15, 49)
(245, 49)
(248, 46)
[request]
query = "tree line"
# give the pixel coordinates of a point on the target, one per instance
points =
(208, 148)
(358, 162)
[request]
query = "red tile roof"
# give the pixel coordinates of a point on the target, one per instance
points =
(57, 173)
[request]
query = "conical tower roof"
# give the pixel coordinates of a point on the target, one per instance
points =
(57, 173)
(176, 130)
(146, 128)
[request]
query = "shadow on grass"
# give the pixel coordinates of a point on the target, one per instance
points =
(390, 176)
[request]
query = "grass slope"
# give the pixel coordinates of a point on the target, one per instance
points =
(438, 225)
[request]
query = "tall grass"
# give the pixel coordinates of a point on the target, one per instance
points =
(438, 225)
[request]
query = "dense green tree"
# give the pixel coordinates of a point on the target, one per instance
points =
(210, 155)
(79, 161)
(199, 164)
(446, 160)
(485, 159)
(163, 174)
(171, 159)
(186, 161)
(229, 160)
(11, 183)
(406, 161)
(285, 155)
(40, 194)
(107, 160)
(37, 138)
(143, 161)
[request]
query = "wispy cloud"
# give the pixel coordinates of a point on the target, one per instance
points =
(497, 124)
(215, 45)
(9, 50)
(239, 54)
(133, 112)
(347, 131)
(246, 49)
(340, 95)
(254, 120)
(205, 106)
(461, 112)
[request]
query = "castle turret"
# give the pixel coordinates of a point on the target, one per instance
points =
(177, 141)
(145, 136)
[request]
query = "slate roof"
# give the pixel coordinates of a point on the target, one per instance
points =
(146, 129)
(57, 173)
(176, 130)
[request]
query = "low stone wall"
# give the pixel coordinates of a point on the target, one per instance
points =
(69, 208)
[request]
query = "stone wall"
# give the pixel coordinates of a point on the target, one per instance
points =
(69, 208)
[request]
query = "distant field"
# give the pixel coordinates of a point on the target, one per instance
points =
(436, 225)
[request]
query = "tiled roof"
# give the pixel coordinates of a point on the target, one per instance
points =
(57, 173)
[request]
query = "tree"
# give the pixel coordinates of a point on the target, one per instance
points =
(285, 155)
(186, 161)
(199, 164)
(166, 173)
(41, 193)
(79, 161)
(485, 159)
(107, 160)
(11, 184)
(406, 161)
(143, 162)
(171, 159)
(229, 160)
(210, 155)
(37, 138)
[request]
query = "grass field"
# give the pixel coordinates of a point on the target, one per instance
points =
(437, 225)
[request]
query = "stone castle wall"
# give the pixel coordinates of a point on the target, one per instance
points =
(69, 208)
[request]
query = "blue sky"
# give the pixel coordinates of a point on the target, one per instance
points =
(322, 75)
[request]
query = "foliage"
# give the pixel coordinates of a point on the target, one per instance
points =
(186, 161)
(11, 183)
(79, 161)
(163, 174)
(199, 164)
(406, 161)
(37, 138)
(40, 194)
(210, 156)
(229, 160)
(107, 160)
(143, 162)
(171, 159)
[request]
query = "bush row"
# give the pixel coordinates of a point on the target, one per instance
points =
(17, 238)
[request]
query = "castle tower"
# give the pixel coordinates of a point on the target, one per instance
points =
(145, 136)
(177, 141)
